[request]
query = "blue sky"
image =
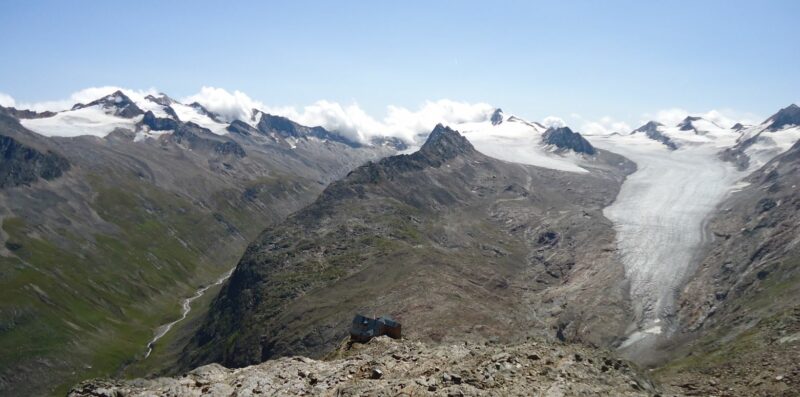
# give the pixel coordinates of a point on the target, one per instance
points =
(622, 59)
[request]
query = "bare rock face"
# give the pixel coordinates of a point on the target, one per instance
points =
(23, 160)
(385, 367)
(565, 138)
(497, 116)
(22, 165)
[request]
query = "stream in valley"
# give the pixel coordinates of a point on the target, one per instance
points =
(186, 308)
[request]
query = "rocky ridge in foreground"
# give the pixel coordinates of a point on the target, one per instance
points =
(386, 367)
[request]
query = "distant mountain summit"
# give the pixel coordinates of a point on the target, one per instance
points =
(688, 123)
(650, 126)
(738, 127)
(497, 116)
(162, 99)
(565, 138)
(119, 103)
(788, 116)
(653, 131)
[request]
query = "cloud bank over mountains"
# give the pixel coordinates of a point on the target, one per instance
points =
(349, 120)
(354, 123)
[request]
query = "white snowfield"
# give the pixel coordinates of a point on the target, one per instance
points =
(518, 141)
(769, 144)
(189, 114)
(94, 121)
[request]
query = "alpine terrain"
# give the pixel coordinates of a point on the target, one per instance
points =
(115, 210)
(153, 247)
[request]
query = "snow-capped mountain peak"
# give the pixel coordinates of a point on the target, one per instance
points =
(654, 130)
(116, 103)
(162, 99)
(758, 144)
(698, 124)
(126, 110)
(786, 117)
(648, 127)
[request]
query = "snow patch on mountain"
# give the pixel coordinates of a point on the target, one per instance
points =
(93, 120)
(189, 114)
(769, 144)
(518, 141)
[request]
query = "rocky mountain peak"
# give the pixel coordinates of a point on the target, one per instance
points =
(785, 117)
(565, 138)
(650, 126)
(497, 116)
(687, 123)
(651, 129)
(202, 109)
(738, 127)
(445, 143)
(162, 99)
(118, 102)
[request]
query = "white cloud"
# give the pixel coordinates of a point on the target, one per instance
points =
(6, 100)
(351, 120)
(231, 106)
(406, 124)
(553, 121)
(605, 126)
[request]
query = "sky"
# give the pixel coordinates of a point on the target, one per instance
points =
(609, 63)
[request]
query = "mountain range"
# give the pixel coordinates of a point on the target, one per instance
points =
(673, 246)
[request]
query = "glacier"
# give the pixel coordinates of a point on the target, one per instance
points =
(660, 219)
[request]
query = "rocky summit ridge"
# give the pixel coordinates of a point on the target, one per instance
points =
(386, 367)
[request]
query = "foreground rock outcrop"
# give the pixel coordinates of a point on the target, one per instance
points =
(385, 367)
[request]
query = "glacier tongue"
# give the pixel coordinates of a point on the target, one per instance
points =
(659, 217)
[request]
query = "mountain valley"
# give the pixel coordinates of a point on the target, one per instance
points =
(670, 248)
